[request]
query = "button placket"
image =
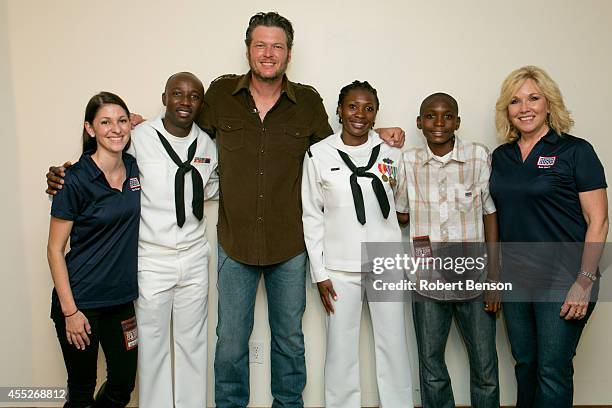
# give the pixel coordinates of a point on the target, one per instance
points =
(443, 203)
(260, 205)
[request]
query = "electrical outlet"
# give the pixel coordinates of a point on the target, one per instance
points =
(256, 352)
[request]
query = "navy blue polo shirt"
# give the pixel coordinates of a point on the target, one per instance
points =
(103, 258)
(537, 200)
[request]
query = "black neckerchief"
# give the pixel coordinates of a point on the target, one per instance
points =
(197, 202)
(377, 185)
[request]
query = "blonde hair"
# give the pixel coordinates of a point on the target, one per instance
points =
(559, 118)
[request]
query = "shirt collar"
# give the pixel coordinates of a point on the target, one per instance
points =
(94, 172)
(551, 137)
(286, 88)
(457, 154)
(90, 167)
(336, 142)
(158, 125)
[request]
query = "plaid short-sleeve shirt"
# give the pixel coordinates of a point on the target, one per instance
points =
(447, 198)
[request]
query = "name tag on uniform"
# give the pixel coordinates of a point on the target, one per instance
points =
(201, 160)
(545, 162)
(422, 247)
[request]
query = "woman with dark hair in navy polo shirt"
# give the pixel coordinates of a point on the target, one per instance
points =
(95, 283)
(550, 192)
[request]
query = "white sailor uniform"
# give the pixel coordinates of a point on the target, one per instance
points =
(172, 270)
(333, 237)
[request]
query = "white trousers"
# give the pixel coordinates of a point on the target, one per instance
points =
(172, 312)
(393, 375)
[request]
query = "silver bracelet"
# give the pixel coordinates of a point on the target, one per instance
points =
(589, 275)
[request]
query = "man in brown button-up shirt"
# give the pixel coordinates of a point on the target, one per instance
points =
(263, 124)
(260, 165)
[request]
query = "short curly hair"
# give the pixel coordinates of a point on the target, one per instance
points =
(559, 118)
(365, 85)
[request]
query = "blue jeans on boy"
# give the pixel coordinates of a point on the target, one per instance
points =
(286, 293)
(432, 322)
(543, 346)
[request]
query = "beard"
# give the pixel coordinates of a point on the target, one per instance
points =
(269, 77)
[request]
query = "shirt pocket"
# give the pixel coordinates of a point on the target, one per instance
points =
(467, 198)
(231, 134)
(296, 140)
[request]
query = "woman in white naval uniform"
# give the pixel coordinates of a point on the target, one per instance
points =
(337, 218)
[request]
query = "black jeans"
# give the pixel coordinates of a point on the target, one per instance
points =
(110, 327)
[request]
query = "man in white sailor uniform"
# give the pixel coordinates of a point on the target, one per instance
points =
(177, 162)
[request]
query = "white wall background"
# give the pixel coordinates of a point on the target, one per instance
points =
(56, 54)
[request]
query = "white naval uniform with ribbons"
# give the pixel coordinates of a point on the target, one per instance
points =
(172, 270)
(333, 237)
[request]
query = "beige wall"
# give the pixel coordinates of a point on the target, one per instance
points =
(17, 311)
(56, 54)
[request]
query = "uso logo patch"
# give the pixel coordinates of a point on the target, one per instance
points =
(130, 333)
(545, 162)
(134, 184)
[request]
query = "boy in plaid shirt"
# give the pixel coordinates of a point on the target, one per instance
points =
(448, 203)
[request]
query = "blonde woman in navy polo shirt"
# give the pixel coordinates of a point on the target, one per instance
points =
(95, 283)
(550, 192)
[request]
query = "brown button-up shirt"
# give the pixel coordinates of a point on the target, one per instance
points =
(260, 166)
